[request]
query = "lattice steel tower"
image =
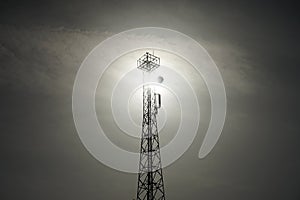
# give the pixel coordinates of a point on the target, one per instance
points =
(150, 177)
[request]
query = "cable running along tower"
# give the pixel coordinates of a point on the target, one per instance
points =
(150, 177)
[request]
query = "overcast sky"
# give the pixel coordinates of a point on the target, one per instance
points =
(254, 44)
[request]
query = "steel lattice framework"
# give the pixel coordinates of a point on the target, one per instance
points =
(150, 177)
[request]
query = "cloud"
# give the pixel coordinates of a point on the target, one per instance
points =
(44, 59)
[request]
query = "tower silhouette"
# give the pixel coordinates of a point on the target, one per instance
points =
(150, 177)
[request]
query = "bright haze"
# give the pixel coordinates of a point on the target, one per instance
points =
(255, 46)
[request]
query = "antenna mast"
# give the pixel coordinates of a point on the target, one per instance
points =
(150, 177)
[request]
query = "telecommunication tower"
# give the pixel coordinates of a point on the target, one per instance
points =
(150, 177)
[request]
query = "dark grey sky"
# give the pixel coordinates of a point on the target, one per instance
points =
(255, 45)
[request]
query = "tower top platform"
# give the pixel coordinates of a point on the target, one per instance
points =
(148, 62)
